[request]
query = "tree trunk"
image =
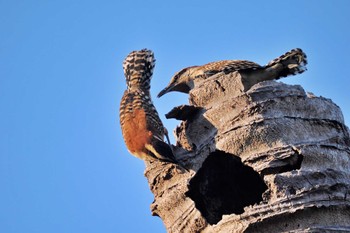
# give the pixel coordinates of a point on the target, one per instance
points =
(263, 157)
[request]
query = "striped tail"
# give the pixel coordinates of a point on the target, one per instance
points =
(291, 63)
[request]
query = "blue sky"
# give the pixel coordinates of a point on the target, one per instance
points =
(63, 163)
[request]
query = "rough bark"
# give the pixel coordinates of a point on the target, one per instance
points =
(263, 157)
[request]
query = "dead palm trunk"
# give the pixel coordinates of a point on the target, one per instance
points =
(263, 158)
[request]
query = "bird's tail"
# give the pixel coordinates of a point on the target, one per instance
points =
(162, 151)
(291, 63)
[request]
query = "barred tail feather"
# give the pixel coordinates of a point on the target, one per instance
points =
(163, 152)
(293, 62)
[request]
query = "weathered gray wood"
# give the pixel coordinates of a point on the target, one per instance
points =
(263, 158)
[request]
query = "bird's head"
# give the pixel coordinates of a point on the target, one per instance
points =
(138, 69)
(182, 81)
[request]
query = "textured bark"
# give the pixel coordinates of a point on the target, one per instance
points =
(263, 157)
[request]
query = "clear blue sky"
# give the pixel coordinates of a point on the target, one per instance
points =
(63, 163)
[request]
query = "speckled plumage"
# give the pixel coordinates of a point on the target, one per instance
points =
(290, 63)
(138, 69)
(142, 129)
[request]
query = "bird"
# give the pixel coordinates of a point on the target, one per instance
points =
(142, 129)
(291, 63)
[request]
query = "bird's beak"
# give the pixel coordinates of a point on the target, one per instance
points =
(180, 87)
(165, 90)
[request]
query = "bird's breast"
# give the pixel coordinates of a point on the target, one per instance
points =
(135, 132)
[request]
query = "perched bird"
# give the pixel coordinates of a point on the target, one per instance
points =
(290, 63)
(141, 126)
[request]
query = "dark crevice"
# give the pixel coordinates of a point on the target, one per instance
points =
(224, 185)
(220, 86)
(289, 164)
(294, 164)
